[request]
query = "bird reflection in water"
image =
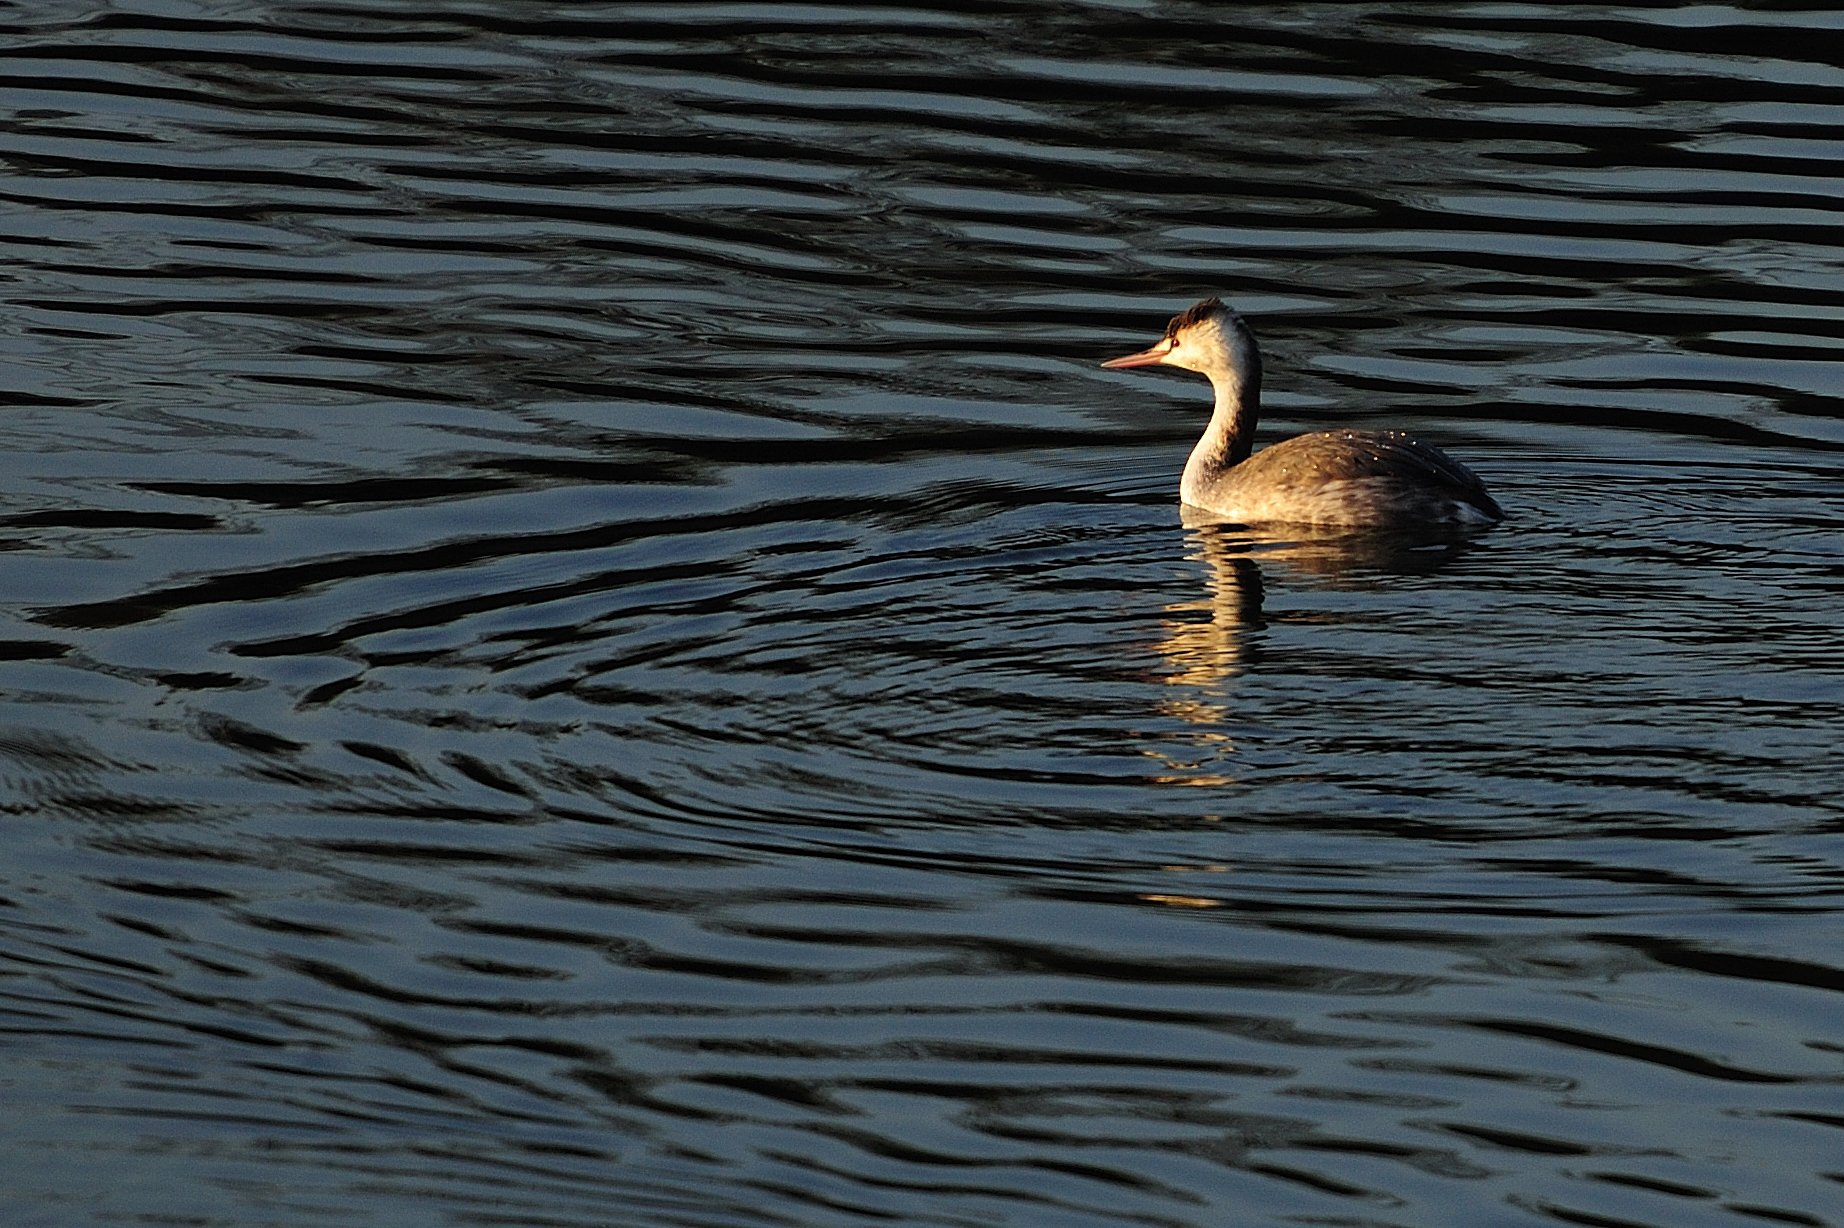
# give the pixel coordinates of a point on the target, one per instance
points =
(1210, 641)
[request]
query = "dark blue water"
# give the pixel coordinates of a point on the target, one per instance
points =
(585, 643)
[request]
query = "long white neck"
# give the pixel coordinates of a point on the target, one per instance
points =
(1230, 437)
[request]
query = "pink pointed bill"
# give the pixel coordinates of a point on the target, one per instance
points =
(1145, 358)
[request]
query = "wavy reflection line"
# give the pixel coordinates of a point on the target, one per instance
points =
(292, 579)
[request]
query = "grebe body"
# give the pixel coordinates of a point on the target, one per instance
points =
(1344, 479)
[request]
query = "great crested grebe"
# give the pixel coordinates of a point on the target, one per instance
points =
(1349, 479)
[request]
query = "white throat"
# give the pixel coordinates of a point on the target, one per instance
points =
(1224, 350)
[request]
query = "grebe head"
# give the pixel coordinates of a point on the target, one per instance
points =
(1206, 337)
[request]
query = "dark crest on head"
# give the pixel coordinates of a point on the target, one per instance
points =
(1196, 313)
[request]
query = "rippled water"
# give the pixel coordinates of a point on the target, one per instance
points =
(585, 643)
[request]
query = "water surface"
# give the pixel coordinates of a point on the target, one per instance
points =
(585, 643)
